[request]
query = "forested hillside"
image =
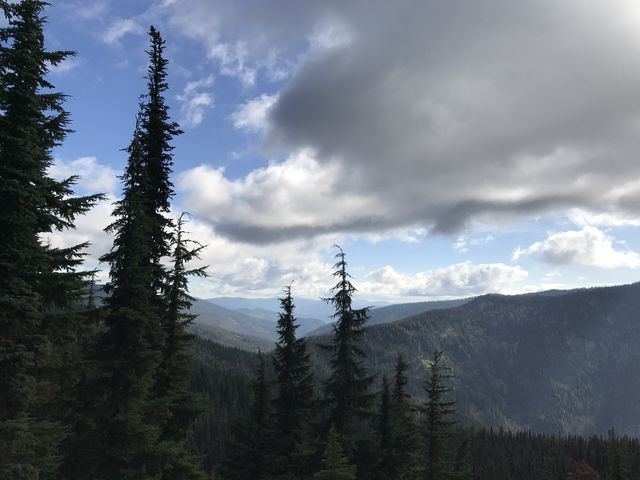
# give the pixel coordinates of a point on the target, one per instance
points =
(552, 363)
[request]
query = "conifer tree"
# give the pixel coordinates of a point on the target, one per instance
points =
(251, 452)
(384, 430)
(617, 465)
(438, 411)
(335, 464)
(173, 386)
(403, 430)
(294, 382)
(347, 390)
(38, 283)
(157, 131)
(131, 346)
(138, 317)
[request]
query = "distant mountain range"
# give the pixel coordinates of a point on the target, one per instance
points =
(554, 362)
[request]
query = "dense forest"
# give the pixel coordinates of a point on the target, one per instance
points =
(117, 386)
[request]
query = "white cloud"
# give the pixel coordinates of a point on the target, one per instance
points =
(602, 219)
(194, 101)
(252, 115)
(88, 10)
(119, 28)
(588, 247)
(94, 176)
(296, 198)
(460, 280)
(66, 65)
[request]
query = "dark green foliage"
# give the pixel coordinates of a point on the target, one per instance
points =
(617, 468)
(38, 283)
(157, 131)
(438, 412)
(347, 390)
(384, 431)
(335, 464)
(294, 396)
(178, 405)
(251, 453)
(143, 347)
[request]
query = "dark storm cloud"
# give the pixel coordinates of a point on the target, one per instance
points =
(460, 111)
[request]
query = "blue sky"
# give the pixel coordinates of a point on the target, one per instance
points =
(452, 149)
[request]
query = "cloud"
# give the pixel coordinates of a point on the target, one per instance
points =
(588, 247)
(94, 176)
(194, 102)
(455, 114)
(66, 65)
(121, 27)
(252, 115)
(89, 10)
(460, 280)
(298, 198)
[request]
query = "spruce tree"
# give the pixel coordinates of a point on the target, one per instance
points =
(347, 390)
(386, 465)
(38, 283)
(403, 430)
(138, 316)
(157, 132)
(131, 346)
(293, 401)
(251, 453)
(616, 458)
(438, 411)
(335, 464)
(173, 386)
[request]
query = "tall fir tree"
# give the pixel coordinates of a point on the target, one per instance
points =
(438, 411)
(347, 390)
(386, 459)
(157, 132)
(403, 429)
(131, 346)
(138, 318)
(173, 386)
(616, 458)
(38, 283)
(293, 401)
(251, 452)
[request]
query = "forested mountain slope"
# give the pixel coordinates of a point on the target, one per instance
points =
(551, 363)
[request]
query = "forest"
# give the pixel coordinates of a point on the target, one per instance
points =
(117, 387)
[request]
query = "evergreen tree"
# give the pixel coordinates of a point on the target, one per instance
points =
(617, 465)
(347, 388)
(250, 452)
(38, 283)
(173, 386)
(403, 430)
(157, 131)
(335, 464)
(292, 404)
(131, 346)
(438, 411)
(386, 460)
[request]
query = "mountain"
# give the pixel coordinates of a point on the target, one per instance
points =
(305, 324)
(305, 307)
(391, 313)
(231, 339)
(214, 315)
(565, 362)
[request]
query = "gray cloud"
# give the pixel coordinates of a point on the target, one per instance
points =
(455, 112)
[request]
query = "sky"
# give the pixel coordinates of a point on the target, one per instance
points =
(451, 148)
